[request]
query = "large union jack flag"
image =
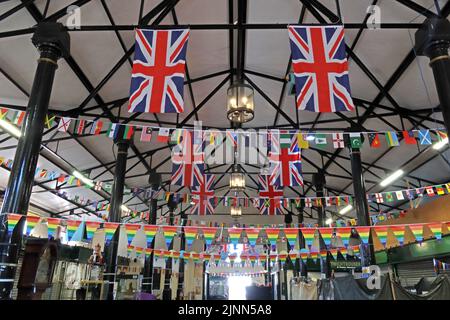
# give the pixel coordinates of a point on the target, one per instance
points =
(320, 67)
(285, 159)
(270, 197)
(158, 71)
(202, 196)
(188, 159)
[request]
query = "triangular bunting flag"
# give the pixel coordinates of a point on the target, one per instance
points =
(72, 227)
(291, 235)
(344, 233)
(32, 222)
(190, 234)
(417, 231)
(399, 233)
(308, 234)
(131, 230)
(436, 228)
(381, 232)
(364, 233)
(252, 235)
(91, 227)
(110, 229)
(209, 234)
(169, 232)
(327, 234)
(13, 220)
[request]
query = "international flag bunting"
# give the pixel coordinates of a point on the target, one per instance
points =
(392, 139)
(338, 140)
(209, 234)
(334, 253)
(425, 137)
(252, 235)
(49, 121)
(235, 235)
(399, 233)
(320, 66)
(80, 126)
(308, 235)
(364, 234)
(430, 191)
(163, 135)
(64, 124)
(110, 229)
(18, 118)
(113, 130)
(441, 135)
(320, 139)
(355, 140)
(13, 220)
(190, 234)
(374, 140)
(96, 128)
(72, 227)
(146, 134)
(272, 235)
(169, 232)
(440, 190)
(291, 235)
(327, 234)
(157, 81)
(344, 233)
(381, 232)
(302, 141)
(409, 138)
(91, 227)
(436, 229)
(128, 132)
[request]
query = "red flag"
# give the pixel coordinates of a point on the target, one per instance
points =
(409, 137)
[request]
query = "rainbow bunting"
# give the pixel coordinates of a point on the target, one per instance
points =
(176, 255)
(232, 257)
(417, 230)
(216, 259)
(157, 253)
(190, 234)
(169, 232)
(344, 233)
(150, 232)
(130, 249)
(272, 235)
(131, 230)
(110, 229)
(148, 252)
(334, 253)
(91, 227)
(262, 258)
(273, 258)
(206, 257)
(252, 235)
(13, 220)
(244, 257)
(32, 222)
(282, 257)
(291, 235)
(364, 234)
(323, 254)
(381, 232)
(343, 251)
(355, 250)
(314, 255)
(209, 234)
(327, 234)
(304, 255)
(52, 225)
(293, 256)
(235, 235)
(399, 233)
(308, 234)
(166, 254)
(252, 259)
(139, 250)
(436, 228)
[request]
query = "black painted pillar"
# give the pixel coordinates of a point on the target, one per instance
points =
(115, 211)
(433, 41)
(318, 180)
(360, 199)
(53, 42)
(148, 270)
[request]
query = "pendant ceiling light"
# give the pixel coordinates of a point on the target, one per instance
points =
(236, 212)
(240, 103)
(237, 180)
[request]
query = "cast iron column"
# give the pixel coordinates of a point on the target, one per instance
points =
(53, 42)
(360, 199)
(433, 41)
(318, 181)
(115, 211)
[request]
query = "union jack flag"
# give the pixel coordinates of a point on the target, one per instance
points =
(285, 159)
(188, 160)
(270, 197)
(320, 68)
(202, 196)
(158, 71)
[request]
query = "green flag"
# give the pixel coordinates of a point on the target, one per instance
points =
(355, 140)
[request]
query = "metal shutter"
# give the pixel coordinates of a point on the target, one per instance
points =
(411, 273)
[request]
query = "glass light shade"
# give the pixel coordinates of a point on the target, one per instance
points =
(236, 211)
(240, 103)
(237, 181)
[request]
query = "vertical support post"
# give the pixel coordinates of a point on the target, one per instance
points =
(433, 41)
(148, 270)
(52, 42)
(318, 180)
(115, 210)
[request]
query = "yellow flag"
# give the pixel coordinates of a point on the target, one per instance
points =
(302, 142)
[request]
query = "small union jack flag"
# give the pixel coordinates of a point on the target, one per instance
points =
(270, 197)
(158, 71)
(202, 196)
(321, 68)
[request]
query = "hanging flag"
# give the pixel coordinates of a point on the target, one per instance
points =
(146, 134)
(364, 234)
(202, 195)
(389, 197)
(344, 233)
(252, 235)
(163, 135)
(436, 229)
(320, 65)
(209, 235)
(64, 124)
(417, 230)
(235, 235)
(272, 236)
(303, 142)
(113, 130)
(271, 194)
(409, 137)
(32, 222)
(334, 253)
(91, 227)
(175, 137)
(424, 137)
(291, 235)
(327, 234)
(374, 140)
(52, 226)
(355, 140)
(399, 195)
(293, 256)
(320, 139)
(169, 232)
(150, 232)
(158, 71)
(392, 139)
(128, 132)
(190, 234)
(49, 121)
(379, 197)
(18, 118)
(13, 220)
(72, 227)
(338, 140)
(308, 235)
(148, 252)
(430, 191)
(304, 255)
(381, 232)
(110, 229)
(399, 233)
(344, 252)
(441, 135)
(96, 127)
(79, 126)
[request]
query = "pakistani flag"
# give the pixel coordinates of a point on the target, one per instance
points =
(320, 139)
(355, 140)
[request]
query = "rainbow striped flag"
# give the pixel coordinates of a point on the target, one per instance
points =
(323, 254)
(417, 231)
(355, 250)
(91, 227)
(344, 233)
(291, 235)
(32, 222)
(130, 249)
(273, 258)
(167, 254)
(252, 235)
(206, 257)
(72, 227)
(272, 235)
(176, 255)
(150, 232)
(314, 255)
(392, 139)
(334, 253)
(148, 252)
(399, 233)
(169, 232)
(216, 259)
(190, 234)
(131, 230)
(157, 253)
(293, 256)
(343, 251)
(52, 225)
(308, 234)
(436, 229)
(364, 234)
(209, 234)
(252, 259)
(327, 234)
(304, 255)
(13, 220)
(232, 257)
(110, 230)
(139, 250)
(235, 235)
(381, 232)
(282, 257)
(262, 258)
